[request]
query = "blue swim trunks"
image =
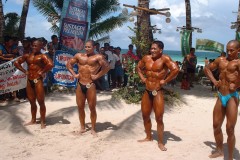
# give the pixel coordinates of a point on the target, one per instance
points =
(225, 99)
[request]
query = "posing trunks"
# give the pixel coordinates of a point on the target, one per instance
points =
(33, 82)
(225, 99)
(152, 93)
(84, 88)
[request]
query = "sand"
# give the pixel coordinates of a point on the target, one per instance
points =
(188, 131)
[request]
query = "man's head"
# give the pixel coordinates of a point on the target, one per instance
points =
(37, 46)
(117, 50)
(233, 48)
(54, 39)
(89, 47)
(26, 42)
(8, 40)
(130, 47)
(106, 46)
(192, 50)
(156, 49)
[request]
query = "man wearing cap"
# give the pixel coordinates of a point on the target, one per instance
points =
(155, 71)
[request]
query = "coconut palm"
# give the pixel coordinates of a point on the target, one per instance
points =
(22, 25)
(188, 20)
(2, 22)
(99, 10)
(144, 33)
(11, 23)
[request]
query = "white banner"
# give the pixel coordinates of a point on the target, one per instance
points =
(11, 79)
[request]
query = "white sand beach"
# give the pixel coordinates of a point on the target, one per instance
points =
(188, 130)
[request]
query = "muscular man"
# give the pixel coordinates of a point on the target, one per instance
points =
(91, 66)
(228, 98)
(153, 70)
(38, 65)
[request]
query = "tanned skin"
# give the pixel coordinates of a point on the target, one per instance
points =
(38, 65)
(153, 70)
(229, 81)
(91, 66)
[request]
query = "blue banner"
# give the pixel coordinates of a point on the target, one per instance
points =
(61, 75)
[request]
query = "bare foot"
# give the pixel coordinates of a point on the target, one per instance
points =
(43, 125)
(29, 123)
(94, 133)
(145, 140)
(83, 130)
(162, 147)
(216, 154)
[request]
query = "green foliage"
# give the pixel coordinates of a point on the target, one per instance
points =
(11, 24)
(140, 41)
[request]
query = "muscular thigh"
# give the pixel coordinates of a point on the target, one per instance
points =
(39, 89)
(91, 96)
(146, 104)
(80, 97)
(30, 91)
(232, 111)
(158, 104)
(218, 113)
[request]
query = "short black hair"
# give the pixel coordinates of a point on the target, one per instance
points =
(160, 44)
(54, 36)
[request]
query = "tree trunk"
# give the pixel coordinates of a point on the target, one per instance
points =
(188, 20)
(143, 27)
(238, 18)
(22, 25)
(2, 21)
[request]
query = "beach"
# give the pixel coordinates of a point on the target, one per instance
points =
(188, 132)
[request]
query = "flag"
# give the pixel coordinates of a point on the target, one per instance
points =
(185, 48)
(209, 45)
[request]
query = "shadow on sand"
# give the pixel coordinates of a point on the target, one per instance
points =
(212, 145)
(167, 136)
(10, 120)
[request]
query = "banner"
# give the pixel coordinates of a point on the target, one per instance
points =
(185, 48)
(11, 79)
(60, 73)
(75, 24)
(209, 45)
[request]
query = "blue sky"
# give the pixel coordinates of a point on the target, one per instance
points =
(214, 17)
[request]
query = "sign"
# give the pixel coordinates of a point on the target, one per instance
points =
(185, 48)
(209, 45)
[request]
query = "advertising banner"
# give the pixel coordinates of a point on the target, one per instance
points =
(185, 48)
(60, 73)
(209, 45)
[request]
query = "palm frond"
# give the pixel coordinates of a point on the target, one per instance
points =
(102, 8)
(106, 26)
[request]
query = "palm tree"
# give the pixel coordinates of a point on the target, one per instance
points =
(22, 25)
(99, 10)
(2, 22)
(238, 17)
(11, 24)
(144, 32)
(188, 20)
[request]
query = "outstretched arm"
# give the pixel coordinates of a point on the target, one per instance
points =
(70, 64)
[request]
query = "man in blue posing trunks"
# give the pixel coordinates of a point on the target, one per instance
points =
(228, 98)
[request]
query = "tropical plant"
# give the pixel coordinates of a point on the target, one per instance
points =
(11, 24)
(101, 22)
(22, 25)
